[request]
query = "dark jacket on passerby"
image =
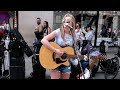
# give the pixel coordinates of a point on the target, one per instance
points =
(104, 31)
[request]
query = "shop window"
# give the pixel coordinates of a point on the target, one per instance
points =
(58, 19)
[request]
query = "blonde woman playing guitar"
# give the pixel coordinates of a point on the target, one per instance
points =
(64, 36)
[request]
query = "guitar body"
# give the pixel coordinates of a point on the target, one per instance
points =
(47, 57)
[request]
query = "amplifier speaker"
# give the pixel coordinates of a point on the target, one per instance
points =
(17, 68)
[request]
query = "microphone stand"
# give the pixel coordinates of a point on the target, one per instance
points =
(77, 51)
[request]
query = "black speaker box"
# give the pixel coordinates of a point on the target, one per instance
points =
(17, 68)
(17, 61)
(17, 72)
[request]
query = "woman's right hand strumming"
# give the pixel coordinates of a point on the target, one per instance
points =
(59, 52)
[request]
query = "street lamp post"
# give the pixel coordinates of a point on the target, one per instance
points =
(96, 24)
(81, 19)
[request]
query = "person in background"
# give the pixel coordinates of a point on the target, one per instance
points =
(89, 35)
(46, 29)
(104, 31)
(39, 29)
(38, 70)
(109, 32)
(79, 35)
(39, 26)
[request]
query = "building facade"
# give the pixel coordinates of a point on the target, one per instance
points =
(27, 20)
(27, 23)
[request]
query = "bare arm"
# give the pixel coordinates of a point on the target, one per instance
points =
(40, 28)
(36, 29)
(49, 30)
(45, 41)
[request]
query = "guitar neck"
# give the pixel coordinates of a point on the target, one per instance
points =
(82, 56)
(75, 56)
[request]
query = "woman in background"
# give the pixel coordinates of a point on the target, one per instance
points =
(46, 29)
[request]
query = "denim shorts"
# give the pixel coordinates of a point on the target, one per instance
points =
(63, 69)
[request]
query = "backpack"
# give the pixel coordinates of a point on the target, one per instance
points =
(102, 47)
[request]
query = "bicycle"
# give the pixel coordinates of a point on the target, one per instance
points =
(110, 66)
(105, 64)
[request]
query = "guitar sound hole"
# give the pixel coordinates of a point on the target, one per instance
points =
(64, 56)
(58, 61)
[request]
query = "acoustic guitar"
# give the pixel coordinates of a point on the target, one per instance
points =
(51, 60)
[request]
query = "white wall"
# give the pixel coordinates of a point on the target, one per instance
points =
(27, 23)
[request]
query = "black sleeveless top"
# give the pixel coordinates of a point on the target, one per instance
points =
(45, 31)
(39, 35)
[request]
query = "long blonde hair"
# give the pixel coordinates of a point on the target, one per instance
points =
(73, 25)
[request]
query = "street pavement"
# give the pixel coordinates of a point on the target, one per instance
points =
(99, 75)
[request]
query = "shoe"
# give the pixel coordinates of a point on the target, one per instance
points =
(86, 74)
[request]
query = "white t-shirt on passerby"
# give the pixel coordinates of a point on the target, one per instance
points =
(79, 35)
(89, 36)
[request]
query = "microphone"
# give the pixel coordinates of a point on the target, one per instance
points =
(67, 24)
